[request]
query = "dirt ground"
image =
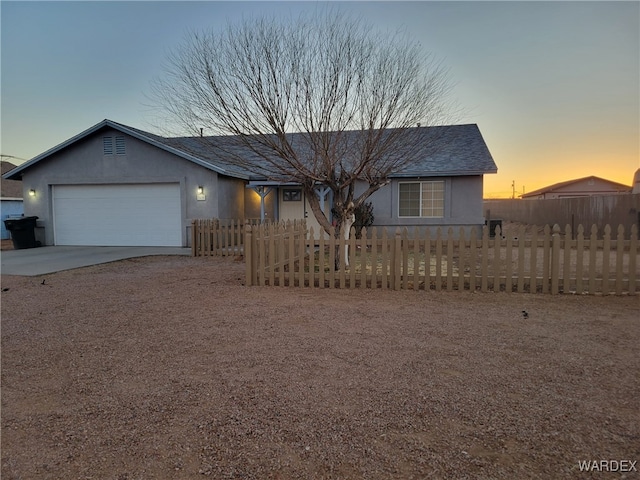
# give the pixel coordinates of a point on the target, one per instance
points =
(167, 367)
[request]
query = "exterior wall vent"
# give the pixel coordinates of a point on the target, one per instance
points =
(107, 145)
(120, 150)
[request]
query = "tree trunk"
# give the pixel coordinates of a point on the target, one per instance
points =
(350, 220)
(314, 203)
(346, 219)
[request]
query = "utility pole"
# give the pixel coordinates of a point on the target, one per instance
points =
(513, 189)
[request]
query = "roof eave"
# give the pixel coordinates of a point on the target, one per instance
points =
(176, 151)
(451, 173)
(14, 173)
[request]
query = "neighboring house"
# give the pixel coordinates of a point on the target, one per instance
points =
(581, 187)
(10, 198)
(117, 185)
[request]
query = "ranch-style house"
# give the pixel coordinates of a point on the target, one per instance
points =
(116, 185)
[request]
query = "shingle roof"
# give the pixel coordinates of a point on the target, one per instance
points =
(203, 148)
(451, 150)
(9, 188)
(441, 151)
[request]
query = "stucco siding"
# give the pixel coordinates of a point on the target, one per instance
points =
(142, 159)
(252, 204)
(84, 163)
(10, 208)
(462, 206)
(231, 193)
(466, 199)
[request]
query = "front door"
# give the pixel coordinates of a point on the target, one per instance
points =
(294, 206)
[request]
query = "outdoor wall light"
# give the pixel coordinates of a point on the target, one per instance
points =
(200, 190)
(32, 193)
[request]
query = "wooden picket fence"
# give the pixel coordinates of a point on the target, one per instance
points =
(551, 261)
(214, 237)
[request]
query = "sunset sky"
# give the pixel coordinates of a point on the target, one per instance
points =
(553, 86)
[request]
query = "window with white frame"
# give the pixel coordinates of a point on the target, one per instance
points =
(421, 199)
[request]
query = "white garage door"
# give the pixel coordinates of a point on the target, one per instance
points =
(117, 215)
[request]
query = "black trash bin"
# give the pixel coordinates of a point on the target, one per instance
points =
(22, 231)
(492, 227)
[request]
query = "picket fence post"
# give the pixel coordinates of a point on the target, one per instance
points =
(405, 258)
(248, 260)
(508, 274)
(302, 241)
(270, 251)
(449, 259)
(416, 260)
(606, 249)
(374, 258)
(485, 259)
(568, 246)
(473, 254)
(342, 258)
(291, 255)
(363, 258)
(397, 244)
(352, 257)
(332, 257)
(579, 259)
(310, 247)
(593, 248)
(462, 255)
(385, 270)
(194, 244)
(321, 259)
(555, 260)
(546, 259)
(633, 250)
(438, 259)
(497, 244)
(521, 242)
(619, 259)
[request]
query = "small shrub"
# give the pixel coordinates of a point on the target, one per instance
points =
(364, 217)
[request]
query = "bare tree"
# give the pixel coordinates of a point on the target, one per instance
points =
(323, 101)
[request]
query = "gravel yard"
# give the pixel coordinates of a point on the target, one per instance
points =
(167, 367)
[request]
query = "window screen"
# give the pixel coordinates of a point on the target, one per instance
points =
(421, 199)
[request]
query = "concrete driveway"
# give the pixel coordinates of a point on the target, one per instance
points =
(42, 260)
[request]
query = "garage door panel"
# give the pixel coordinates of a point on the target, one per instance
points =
(117, 215)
